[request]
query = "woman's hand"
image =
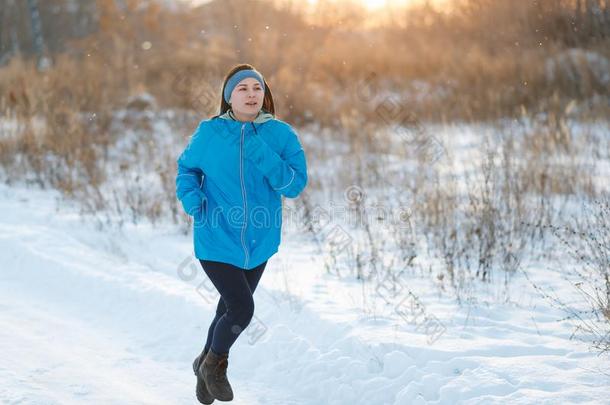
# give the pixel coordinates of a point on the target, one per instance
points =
(287, 174)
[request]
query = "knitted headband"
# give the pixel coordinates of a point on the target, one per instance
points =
(238, 77)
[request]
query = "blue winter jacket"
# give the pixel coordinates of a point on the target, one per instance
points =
(231, 168)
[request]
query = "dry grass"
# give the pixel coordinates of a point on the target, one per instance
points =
(437, 65)
(586, 240)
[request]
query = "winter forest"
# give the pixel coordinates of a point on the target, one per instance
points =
(451, 246)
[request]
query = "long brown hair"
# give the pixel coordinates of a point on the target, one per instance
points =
(268, 105)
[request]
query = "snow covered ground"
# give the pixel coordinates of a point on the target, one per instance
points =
(116, 317)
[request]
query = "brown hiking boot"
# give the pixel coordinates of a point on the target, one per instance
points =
(213, 369)
(203, 395)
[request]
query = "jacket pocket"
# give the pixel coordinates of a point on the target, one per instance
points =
(201, 216)
(204, 206)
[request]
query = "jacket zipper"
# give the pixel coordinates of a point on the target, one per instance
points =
(243, 192)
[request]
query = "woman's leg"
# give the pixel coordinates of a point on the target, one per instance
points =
(253, 276)
(221, 308)
(236, 286)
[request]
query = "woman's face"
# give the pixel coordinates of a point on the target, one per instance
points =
(247, 97)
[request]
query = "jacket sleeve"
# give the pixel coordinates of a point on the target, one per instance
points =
(287, 174)
(189, 177)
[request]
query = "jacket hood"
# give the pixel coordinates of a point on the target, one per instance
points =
(262, 116)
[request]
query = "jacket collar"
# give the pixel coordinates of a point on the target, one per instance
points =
(262, 116)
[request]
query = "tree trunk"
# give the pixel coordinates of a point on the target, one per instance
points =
(43, 61)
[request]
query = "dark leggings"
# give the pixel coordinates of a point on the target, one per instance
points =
(236, 304)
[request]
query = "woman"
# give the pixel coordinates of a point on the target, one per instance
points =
(230, 179)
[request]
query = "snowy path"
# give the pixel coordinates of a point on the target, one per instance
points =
(101, 317)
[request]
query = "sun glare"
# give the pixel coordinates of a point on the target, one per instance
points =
(370, 4)
(374, 4)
